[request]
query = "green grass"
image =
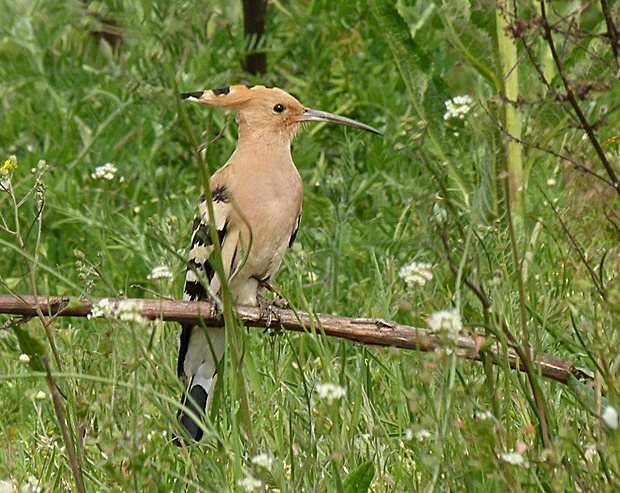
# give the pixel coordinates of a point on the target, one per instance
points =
(431, 190)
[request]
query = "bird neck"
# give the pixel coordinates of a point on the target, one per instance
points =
(262, 144)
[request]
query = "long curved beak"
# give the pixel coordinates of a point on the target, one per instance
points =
(311, 115)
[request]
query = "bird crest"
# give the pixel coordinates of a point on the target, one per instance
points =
(270, 108)
(236, 97)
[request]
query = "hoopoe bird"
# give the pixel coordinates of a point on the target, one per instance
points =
(257, 199)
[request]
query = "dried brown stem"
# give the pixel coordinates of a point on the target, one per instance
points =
(376, 332)
(525, 352)
(570, 95)
(612, 32)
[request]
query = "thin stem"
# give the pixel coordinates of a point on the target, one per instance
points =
(75, 468)
(511, 119)
(570, 95)
(612, 32)
(580, 253)
(525, 352)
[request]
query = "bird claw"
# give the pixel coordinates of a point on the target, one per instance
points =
(269, 310)
(215, 310)
(280, 301)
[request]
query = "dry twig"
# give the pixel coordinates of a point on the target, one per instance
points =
(374, 332)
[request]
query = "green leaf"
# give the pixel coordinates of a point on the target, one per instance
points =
(585, 394)
(30, 345)
(74, 302)
(358, 481)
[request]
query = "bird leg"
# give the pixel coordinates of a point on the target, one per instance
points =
(269, 310)
(215, 310)
(280, 301)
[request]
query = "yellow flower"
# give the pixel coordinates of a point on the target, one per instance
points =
(9, 164)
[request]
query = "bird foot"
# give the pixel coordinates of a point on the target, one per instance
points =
(269, 310)
(215, 310)
(280, 301)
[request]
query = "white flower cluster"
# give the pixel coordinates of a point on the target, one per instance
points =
(250, 483)
(161, 272)
(330, 392)
(105, 172)
(416, 273)
(7, 486)
(422, 435)
(127, 310)
(458, 107)
(102, 309)
(483, 415)
(515, 458)
(31, 484)
(447, 322)
(262, 460)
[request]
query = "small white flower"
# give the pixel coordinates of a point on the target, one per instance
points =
(590, 452)
(330, 392)
(409, 434)
(446, 321)
(610, 417)
(422, 435)
(250, 483)
(126, 310)
(262, 460)
(362, 440)
(103, 308)
(514, 458)
(161, 272)
(105, 172)
(40, 395)
(24, 358)
(551, 182)
(7, 486)
(483, 415)
(458, 107)
(32, 485)
(129, 311)
(416, 273)
(439, 214)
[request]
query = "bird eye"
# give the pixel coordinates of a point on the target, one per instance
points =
(278, 108)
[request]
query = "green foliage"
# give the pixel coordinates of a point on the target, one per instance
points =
(358, 481)
(85, 84)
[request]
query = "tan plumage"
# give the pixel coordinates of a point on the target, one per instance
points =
(257, 199)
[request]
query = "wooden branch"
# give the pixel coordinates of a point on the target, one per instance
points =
(368, 331)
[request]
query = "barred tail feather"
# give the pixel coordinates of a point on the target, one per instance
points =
(197, 401)
(200, 353)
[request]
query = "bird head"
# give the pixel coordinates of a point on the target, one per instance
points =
(268, 110)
